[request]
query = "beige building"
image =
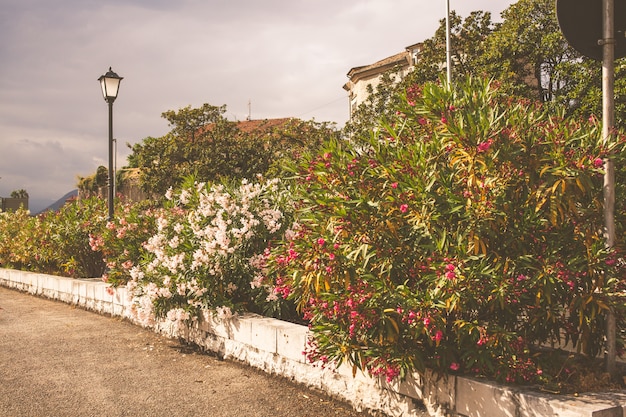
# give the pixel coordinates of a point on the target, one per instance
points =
(361, 78)
(13, 204)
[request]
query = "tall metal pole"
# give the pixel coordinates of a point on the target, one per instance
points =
(448, 47)
(608, 121)
(110, 102)
(114, 167)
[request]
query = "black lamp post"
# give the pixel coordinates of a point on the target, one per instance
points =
(110, 83)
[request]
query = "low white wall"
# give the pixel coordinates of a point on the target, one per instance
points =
(276, 347)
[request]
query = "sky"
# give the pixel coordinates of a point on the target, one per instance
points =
(267, 59)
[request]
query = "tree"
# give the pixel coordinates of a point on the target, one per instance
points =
(21, 193)
(204, 144)
(468, 42)
(529, 55)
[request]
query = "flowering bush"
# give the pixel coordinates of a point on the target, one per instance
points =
(69, 229)
(53, 242)
(121, 241)
(22, 242)
(459, 236)
(207, 252)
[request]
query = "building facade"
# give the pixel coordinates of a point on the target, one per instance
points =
(363, 79)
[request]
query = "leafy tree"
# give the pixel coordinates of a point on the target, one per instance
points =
(19, 194)
(529, 55)
(527, 51)
(379, 103)
(467, 41)
(203, 143)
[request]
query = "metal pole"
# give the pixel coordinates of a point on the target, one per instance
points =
(114, 167)
(110, 159)
(448, 47)
(608, 121)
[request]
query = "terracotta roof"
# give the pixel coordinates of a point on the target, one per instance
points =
(252, 126)
(249, 126)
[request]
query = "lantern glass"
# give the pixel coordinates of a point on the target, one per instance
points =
(110, 84)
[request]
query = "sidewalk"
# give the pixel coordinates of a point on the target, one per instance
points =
(56, 360)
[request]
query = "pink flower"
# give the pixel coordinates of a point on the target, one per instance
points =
(450, 275)
(484, 146)
(455, 366)
(444, 120)
(426, 321)
(321, 241)
(598, 162)
(438, 336)
(394, 185)
(404, 208)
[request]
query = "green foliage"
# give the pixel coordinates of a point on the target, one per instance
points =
(21, 193)
(54, 242)
(70, 228)
(461, 234)
(20, 237)
(120, 243)
(468, 43)
(206, 145)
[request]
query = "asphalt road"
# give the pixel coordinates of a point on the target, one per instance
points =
(57, 360)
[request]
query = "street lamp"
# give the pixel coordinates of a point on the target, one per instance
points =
(110, 84)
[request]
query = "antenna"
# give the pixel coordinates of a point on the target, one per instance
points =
(249, 110)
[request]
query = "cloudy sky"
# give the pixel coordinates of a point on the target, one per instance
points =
(289, 58)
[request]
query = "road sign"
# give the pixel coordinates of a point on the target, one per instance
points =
(581, 24)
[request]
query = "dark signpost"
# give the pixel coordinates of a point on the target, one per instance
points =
(596, 29)
(581, 24)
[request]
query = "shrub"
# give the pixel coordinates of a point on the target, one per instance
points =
(459, 236)
(121, 242)
(69, 229)
(208, 252)
(54, 242)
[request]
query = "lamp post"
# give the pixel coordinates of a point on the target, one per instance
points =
(110, 84)
(114, 166)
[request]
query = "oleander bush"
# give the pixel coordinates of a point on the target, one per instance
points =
(54, 242)
(460, 236)
(203, 251)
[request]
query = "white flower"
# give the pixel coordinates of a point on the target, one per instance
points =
(168, 193)
(223, 313)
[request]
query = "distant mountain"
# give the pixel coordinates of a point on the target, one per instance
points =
(60, 202)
